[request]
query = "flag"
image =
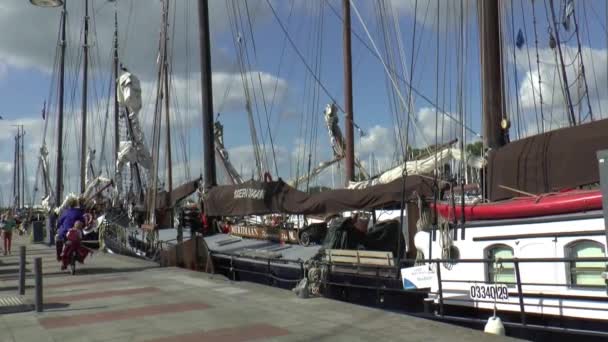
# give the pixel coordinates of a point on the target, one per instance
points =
(520, 41)
(44, 111)
(567, 14)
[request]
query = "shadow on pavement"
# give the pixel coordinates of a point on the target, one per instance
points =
(83, 270)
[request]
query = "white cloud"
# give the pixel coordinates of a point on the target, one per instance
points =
(23, 45)
(594, 60)
(553, 96)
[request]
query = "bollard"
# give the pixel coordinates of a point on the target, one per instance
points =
(38, 271)
(428, 306)
(21, 270)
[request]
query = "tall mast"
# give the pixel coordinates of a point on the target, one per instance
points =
(209, 171)
(85, 80)
(116, 112)
(495, 124)
(16, 173)
(59, 163)
(167, 116)
(22, 167)
(348, 94)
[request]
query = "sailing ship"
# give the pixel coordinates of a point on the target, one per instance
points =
(534, 252)
(129, 205)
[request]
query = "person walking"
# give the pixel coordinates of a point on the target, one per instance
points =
(8, 226)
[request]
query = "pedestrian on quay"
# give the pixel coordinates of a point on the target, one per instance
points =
(8, 225)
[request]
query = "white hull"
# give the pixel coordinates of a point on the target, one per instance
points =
(548, 239)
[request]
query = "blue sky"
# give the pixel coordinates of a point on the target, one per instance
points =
(27, 54)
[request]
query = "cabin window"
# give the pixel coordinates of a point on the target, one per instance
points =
(500, 271)
(587, 273)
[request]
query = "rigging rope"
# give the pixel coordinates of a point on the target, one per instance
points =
(306, 64)
(586, 21)
(404, 103)
(374, 51)
(582, 65)
(540, 88)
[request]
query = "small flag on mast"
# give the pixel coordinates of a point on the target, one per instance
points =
(44, 111)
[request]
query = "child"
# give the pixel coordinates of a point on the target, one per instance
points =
(74, 237)
(7, 231)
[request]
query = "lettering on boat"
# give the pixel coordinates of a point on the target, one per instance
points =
(249, 193)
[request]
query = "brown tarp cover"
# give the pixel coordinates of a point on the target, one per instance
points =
(258, 198)
(559, 159)
(164, 200)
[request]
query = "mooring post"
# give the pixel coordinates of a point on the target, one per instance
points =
(38, 274)
(21, 270)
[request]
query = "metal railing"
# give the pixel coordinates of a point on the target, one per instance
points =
(373, 273)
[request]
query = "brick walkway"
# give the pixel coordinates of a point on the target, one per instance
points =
(114, 298)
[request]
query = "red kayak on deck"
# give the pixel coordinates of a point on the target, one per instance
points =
(572, 201)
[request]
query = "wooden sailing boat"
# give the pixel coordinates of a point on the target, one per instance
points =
(539, 260)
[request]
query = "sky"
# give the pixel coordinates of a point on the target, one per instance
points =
(420, 40)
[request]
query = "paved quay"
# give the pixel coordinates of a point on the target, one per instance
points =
(115, 298)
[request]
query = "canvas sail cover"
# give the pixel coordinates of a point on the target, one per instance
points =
(129, 92)
(564, 158)
(133, 150)
(260, 198)
(419, 167)
(47, 200)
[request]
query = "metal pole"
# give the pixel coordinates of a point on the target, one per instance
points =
(38, 275)
(22, 168)
(59, 163)
(85, 80)
(522, 309)
(207, 96)
(348, 94)
(22, 270)
(440, 287)
(15, 174)
(116, 112)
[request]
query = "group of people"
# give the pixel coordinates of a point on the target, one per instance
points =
(69, 232)
(7, 225)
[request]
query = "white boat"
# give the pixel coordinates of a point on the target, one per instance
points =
(526, 266)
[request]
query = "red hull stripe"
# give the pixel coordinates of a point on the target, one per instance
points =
(522, 207)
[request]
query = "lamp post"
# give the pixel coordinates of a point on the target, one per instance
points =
(47, 3)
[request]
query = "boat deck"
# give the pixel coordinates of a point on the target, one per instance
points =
(232, 245)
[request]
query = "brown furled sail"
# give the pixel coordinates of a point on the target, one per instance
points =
(559, 159)
(260, 198)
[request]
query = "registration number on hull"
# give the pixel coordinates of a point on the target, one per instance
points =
(497, 291)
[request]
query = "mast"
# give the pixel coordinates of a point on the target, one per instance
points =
(22, 167)
(59, 173)
(495, 124)
(85, 80)
(16, 173)
(571, 116)
(209, 171)
(348, 94)
(116, 108)
(167, 116)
